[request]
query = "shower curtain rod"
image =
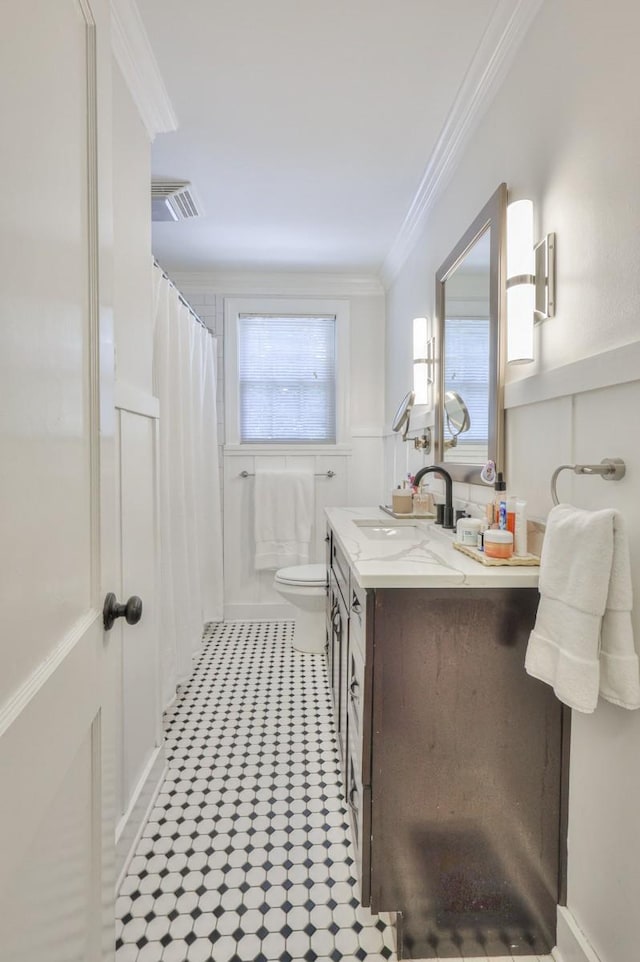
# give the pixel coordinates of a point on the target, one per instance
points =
(182, 299)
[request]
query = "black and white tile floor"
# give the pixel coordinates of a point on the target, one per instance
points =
(247, 854)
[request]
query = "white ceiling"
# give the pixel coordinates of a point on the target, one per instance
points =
(305, 128)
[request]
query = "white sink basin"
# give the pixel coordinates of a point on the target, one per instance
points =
(379, 531)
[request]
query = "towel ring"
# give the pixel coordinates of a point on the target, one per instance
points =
(609, 469)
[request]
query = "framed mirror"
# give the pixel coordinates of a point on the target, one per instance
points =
(469, 415)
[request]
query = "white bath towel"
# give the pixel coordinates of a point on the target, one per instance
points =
(582, 642)
(283, 517)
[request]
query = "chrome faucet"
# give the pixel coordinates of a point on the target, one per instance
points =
(447, 516)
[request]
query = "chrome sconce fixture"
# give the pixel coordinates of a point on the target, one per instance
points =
(531, 281)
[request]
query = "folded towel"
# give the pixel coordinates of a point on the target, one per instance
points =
(582, 642)
(283, 517)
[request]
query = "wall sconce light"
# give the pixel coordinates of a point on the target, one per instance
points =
(422, 361)
(531, 276)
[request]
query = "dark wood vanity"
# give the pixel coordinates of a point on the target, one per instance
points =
(454, 761)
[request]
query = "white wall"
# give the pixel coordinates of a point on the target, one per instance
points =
(358, 480)
(564, 131)
(140, 756)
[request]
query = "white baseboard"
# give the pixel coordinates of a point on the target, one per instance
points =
(573, 945)
(255, 612)
(129, 828)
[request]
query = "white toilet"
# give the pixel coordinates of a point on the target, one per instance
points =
(304, 586)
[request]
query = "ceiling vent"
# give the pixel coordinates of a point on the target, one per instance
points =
(173, 200)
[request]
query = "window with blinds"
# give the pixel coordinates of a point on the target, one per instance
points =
(466, 371)
(287, 378)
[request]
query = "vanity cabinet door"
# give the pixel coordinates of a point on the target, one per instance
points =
(349, 644)
(361, 634)
(359, 808)
(333, 650)
(358, 698)
(341, 630)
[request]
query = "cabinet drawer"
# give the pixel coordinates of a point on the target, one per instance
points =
(327, 546)
(340, 568)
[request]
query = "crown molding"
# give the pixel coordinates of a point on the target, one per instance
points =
(278, 284)
(493, 57)
(134, 56)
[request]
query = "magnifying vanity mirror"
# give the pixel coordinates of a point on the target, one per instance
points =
(457, 418)
(402, 415)
(469, 413)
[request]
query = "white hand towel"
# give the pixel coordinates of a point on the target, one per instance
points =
(283, 517)
(582, 642)
(619, 675)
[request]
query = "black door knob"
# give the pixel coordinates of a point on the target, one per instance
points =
(132, 611)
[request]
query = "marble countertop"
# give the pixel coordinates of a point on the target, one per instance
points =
(426, 558)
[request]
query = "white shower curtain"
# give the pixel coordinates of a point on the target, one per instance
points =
(189, 481)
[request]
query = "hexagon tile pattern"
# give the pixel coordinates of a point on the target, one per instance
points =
(247, 855)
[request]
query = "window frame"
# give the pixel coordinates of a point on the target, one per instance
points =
(236, 306)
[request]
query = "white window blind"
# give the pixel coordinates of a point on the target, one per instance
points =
(287, 378)
(466, 371)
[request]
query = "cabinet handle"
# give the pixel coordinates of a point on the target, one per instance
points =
(355, 604)
(354, 689)
(353, 795)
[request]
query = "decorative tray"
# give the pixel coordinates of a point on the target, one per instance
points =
(514, 561)
(395, 514)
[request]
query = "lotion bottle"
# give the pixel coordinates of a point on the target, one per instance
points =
(520, 534)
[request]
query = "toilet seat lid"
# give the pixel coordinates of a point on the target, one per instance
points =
(303, 575)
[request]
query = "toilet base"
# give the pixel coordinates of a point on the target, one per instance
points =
(309, 632)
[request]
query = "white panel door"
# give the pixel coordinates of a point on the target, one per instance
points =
(56, 484)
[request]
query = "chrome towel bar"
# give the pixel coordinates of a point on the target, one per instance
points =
(321, 474)
(609, 469)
